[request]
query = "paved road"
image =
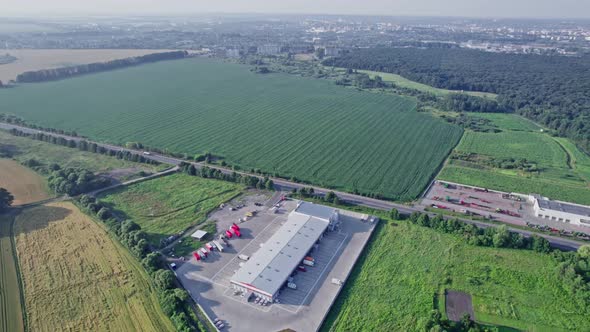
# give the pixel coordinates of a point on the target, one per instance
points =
(126, 183)
(284, 185)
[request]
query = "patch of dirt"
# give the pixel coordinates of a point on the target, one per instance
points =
(458, 304)
(122, 174)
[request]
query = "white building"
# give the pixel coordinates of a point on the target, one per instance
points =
(269, 49)
(267, 271)
(570, 213)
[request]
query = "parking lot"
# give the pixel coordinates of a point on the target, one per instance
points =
(303, 309)
(481, 202)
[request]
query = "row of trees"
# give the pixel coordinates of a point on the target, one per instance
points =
(74, 181)
(6, 199)
(309, 192)
(84, 145)
(45, 75)
(499, 237)
(552, 90)
(173, 300)
(213, 173)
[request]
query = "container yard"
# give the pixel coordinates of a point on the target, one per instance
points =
(511, 208)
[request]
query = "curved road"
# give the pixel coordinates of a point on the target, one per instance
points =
(285, 185)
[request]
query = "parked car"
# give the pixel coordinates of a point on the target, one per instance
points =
(301, 268)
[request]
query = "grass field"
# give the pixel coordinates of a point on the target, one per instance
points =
(406, 83)
(30, 60)
(168, 205)
(564, 171)
(25, 185)
(307, 128)
(76, 278)
(393, 286)
(22, 149)
(11, 318)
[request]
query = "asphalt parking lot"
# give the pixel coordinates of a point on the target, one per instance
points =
(303, 309)
(466, 199)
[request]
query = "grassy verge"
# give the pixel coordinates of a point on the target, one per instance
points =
(166, 206)
(22, 149)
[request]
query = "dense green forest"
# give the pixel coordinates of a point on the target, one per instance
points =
(552, 90)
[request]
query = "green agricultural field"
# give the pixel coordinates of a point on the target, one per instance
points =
(394, 285)
(563, 171)
(538, 147)
(509, 121)
(23, 148)
(170, 204)
(406, 83)
(291, 126)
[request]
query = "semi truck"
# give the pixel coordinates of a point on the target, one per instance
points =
(308, 263)
(218, 245)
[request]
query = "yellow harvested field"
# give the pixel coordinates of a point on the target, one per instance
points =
(25, 185)
(30, 60)
(77, 278)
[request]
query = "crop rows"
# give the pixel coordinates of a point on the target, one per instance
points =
(295, 127)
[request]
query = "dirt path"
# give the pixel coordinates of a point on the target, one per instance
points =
(11, 305)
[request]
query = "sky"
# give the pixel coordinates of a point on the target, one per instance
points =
(468, 8)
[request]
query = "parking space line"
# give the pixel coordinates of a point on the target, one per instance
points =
(322, 274)
(254, 239)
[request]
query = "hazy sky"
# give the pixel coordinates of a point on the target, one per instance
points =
(480, 8)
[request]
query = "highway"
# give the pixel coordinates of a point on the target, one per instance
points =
(285, 185)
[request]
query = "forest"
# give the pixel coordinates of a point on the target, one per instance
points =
(552, 90)
(45, 75)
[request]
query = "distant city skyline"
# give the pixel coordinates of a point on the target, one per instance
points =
(463, 8)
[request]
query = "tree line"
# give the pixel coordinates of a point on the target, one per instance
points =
(552, 90)
(45, 75)
(6, 200)
(84, 145)
(498, 237)
(174, 300)
(213, 173)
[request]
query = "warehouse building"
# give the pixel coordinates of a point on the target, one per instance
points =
(561, 211)
(267, 271)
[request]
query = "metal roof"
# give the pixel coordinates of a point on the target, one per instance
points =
(199, 234)
(268, 269)
(318, 211)
(564, 207)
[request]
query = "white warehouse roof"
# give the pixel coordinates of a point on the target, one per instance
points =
(268, 269)
(576, 209)
(318, 211)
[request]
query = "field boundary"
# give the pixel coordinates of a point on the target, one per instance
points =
(12, 215)
(18, 273)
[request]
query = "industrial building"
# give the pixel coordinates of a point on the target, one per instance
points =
(267, 271)
(570, 213)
